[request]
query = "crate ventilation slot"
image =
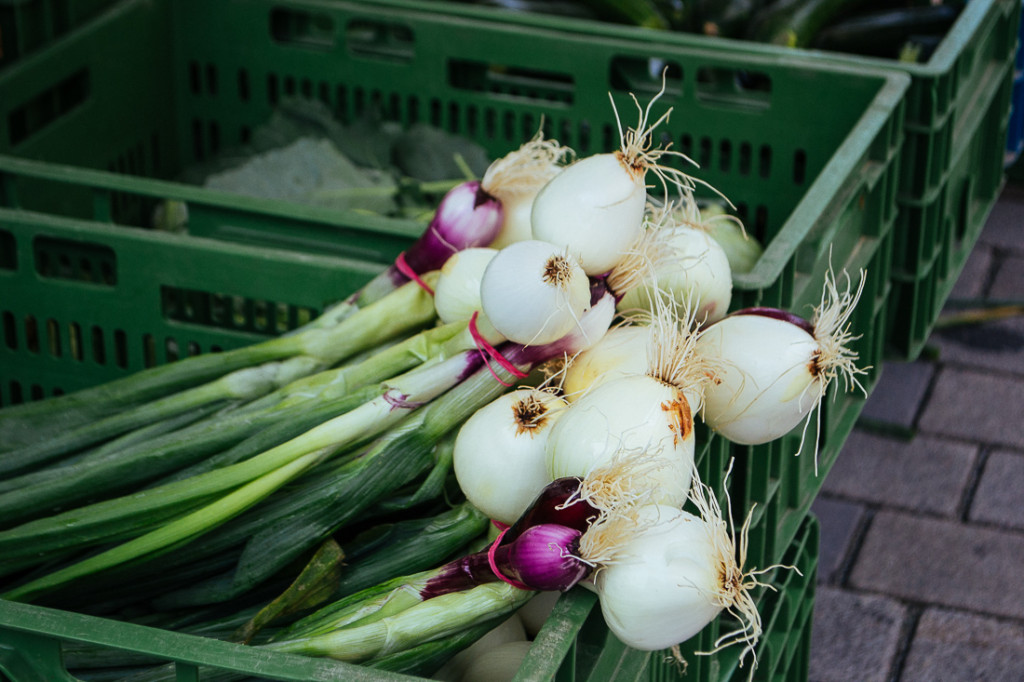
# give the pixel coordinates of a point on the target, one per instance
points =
(514, 83)
(734, 88)
(47, 107)
(383, 40)
(8, 251)
(301, 28)
(236, 313)
(643, 77)
(75, 260)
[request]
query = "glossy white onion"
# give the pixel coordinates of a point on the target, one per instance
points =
(457, 292)
(622, 351)
(533, 293)
(500, 458)
(633, 416)
(662, 587)
(765, 379)
(594, 208)
(697, 274)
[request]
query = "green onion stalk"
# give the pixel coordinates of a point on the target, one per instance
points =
(425, 404)
(226, 437)
(82, 418)
(466, 217)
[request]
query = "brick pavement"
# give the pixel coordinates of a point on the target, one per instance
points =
(922, 553)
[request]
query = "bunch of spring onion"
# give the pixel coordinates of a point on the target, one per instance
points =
(208, 450)
(612, 449)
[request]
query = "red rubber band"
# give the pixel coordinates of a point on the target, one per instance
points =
(404, 268)
(487, 349)
(494, 566)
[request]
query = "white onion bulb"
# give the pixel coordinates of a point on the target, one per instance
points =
(516, 226)
(594, 208)
(773, 368)
(509, 630)
(533, 293)
(500, 664)
(622, 351)
(765, 382)
(696, 274)
(457, 292)
(634, 416)
(500, 457)
(662, 587)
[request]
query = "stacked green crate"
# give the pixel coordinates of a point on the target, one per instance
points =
(64, 329)
(817, 196)
(957, 119)
(27, 25)
(568, 648)
(96, 125)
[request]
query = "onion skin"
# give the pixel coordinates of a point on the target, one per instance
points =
(550, 507)
(632, 418)
(543, 558)
(660, 590)
(466, 217)
(499, 460)
(766, 379)
(595, 208)
(533, 293)
(698, 275)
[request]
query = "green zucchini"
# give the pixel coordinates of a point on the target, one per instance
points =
(883, 33)
(794, 23)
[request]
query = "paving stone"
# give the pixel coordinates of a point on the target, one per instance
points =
(951, 646)
(899, 392)
(997, 345)
(942, 563)
(1004, 228)
(984, 407)
(1008, 283)
(974, 276)
(839, 521)
(925, 474)
(998, 498)
(854, 637)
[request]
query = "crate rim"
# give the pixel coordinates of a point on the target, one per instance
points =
(837, 171)
(940, 62)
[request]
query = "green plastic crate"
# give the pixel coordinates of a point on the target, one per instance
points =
(815, 194)
(956, 123)
(179, 294)
(31, 638)
(27, 25)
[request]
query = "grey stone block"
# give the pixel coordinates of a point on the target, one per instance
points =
(983, 407)
(854, 637)
(1005, 226)
(942, 563)
(925, 474)
(900, 390)
(839, 521)
(1008, 283)
(950, 646)
(974, 276)
(996, 345)
(999, 497)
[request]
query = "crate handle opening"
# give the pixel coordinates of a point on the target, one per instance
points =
(511, 82)
(300, 28)
(643, 76)
(47, 107)
(734, 88)
(389, 41)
